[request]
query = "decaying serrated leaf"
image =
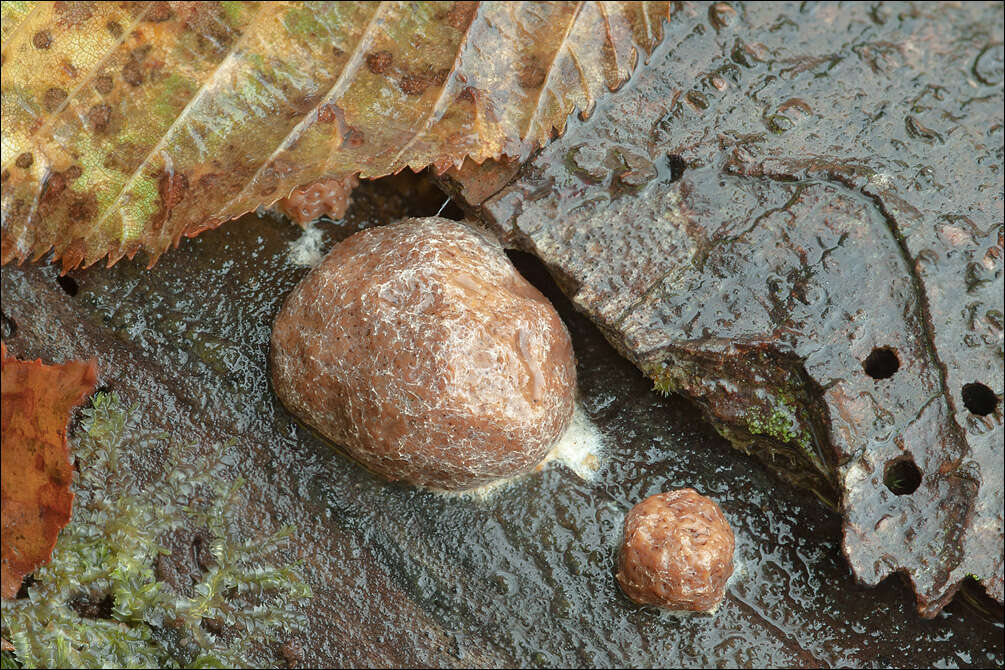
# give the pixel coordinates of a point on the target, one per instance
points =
(826, 283)
(37, 500)
(128, 125)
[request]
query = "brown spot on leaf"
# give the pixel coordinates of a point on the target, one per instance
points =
(531, 75)
(98, 117)
(412, 84)
(172, 189)
(140, 53)
(338, 53)
(132, 72)
(53, 98)
(52, 191)
(208, 181)
(25, 160)
(208, 21)
(440, 76)
(326, 113)
(215, 37)
(160, 12)
(52, 188)
(73, 14)
(42, 39)
(379, 62)
(20, 210)
(114, 29)
(353, 138)
(417, 83)
(82, 209)
(461, 14)
(73, 172)
(104, 84)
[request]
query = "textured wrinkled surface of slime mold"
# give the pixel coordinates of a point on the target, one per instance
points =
(326, 197)
(419, 349)
(677, 552)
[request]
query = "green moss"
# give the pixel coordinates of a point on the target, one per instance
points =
(109, 550)
(778, 425)
(772, 423)
(663, 388)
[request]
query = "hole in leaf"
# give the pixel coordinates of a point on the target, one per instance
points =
(979, 399)
(902, 476)
(8, 328)
(676, 165)
(882, 363)
(68, 284)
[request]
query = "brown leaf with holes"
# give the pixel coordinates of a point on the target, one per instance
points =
(129, 125)
(37, 500)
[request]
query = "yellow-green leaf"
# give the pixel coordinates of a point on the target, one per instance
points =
(128, 125)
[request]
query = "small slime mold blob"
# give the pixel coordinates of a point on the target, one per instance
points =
(420, 350)
(327, 197)
(677, 552)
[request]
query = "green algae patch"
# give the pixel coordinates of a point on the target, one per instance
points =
(778, 425)
(768, 414)
(111, 595)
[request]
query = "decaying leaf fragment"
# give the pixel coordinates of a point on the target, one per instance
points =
(793, 276)
(128, 125)
(37, 500)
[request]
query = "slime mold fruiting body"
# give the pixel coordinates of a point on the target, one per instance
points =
(677, 552)
(420, 350)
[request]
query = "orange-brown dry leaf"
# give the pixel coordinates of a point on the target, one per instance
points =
(128, 125)
(36, 403)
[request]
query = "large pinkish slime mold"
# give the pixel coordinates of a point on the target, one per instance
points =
(421, 351)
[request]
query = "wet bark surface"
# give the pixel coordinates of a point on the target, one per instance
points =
(793, 215)
(402, 576)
